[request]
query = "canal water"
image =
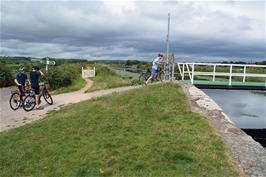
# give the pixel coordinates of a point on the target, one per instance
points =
(246, 108)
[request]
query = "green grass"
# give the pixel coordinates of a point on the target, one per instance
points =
(77, 84)
(107, 78)
(144, 132)
(126, 74)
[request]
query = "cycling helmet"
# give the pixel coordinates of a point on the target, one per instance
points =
(21, 68)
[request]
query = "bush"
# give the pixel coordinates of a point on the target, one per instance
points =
(63, 75)
(135, 82)
(6, 77)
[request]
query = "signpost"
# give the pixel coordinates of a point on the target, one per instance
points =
(45, 61)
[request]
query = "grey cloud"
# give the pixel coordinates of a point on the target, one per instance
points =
(110, 31)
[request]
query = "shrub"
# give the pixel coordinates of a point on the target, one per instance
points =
(6, 77)
(63, 75)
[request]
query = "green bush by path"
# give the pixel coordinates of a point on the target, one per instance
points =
(76, 84)
(63, 75)
(144, 132)
(6, 77)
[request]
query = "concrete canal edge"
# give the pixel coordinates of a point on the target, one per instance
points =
(248, 154)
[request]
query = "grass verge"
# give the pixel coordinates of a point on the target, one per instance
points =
(106, 78)
(77, 84)
(144, 132)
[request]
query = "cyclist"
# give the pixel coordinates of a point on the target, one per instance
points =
(154, 68)
(34, 80)
(20, 81)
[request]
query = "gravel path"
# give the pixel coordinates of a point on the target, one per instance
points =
(11, 119)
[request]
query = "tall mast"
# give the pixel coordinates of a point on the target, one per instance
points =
(167, 38)
(167, 47)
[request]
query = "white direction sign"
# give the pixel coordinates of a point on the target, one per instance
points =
(50, 62)
(45, 61)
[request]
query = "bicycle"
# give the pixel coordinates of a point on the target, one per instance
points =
(146, 74)
(30, 100)
(16, 98)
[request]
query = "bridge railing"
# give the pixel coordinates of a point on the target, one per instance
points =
(221, 70)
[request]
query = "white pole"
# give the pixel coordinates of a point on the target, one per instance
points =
(180, 71)
(183, 69)
(214, 70)
(230, 75)
(192, 78)
(244, 75)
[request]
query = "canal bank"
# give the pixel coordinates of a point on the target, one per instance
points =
(248, 154)
(246, 108)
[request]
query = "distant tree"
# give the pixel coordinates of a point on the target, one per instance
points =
(261, 63)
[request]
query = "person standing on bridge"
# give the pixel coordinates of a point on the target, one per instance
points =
(34, 80)
(154, 68)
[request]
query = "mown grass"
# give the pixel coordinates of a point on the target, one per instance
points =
(144, 132)
(77, 84)
(106, 78)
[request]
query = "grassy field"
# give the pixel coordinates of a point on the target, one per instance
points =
(126, 74)
(77, 84)
(108, 78)
(144, 132)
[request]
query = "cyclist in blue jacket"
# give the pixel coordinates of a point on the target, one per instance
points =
(20, 81)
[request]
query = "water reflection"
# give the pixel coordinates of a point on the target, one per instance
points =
(247, 109)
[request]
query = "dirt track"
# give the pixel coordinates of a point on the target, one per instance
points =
(11, 119)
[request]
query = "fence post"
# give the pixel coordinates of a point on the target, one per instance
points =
(214, 70)
(173, 71)
(183, 69)
(192, 78)
(230, 75)
(244, 75)
(189, 74)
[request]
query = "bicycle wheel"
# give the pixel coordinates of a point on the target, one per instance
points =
(47, 97)
(142, 78)
(29, 103)
(14, 101)
(160, 76)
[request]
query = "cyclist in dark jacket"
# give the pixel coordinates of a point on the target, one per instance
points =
(34, 80)
(20, 81)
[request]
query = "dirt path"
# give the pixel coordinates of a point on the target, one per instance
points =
(11, 119)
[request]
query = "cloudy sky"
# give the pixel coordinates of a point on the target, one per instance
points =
(200, 31)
